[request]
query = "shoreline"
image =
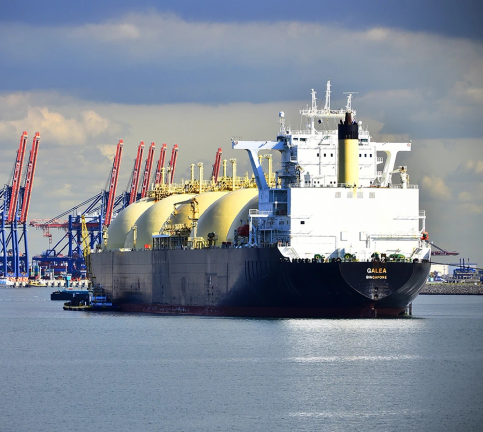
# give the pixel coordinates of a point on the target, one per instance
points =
(452, 289)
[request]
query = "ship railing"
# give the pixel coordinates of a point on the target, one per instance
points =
(392, 237)
(400, 186)
(267, 245)
(259, 213)
(302, 132)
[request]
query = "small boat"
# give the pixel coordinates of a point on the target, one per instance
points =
(37, 283)
(77, 306)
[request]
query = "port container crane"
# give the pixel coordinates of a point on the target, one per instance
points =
(172, 165)
(133, 189)
(97, 212)
(86, 248)
(147, 170)
(160, 167)
(14, 262)
(113, 183)
(216, 167)
(17, 172)
(29, 179)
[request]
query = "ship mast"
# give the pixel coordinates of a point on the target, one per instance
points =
(313, 112)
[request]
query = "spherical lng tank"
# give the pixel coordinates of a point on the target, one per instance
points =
(224, 216)
(152, 220)
(123, 222)
(205, 200)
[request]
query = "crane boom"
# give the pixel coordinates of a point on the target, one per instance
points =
(442, 251)
(172, 164)
(147, 170)
(29, 178)
(162, 157)
(216, 166)
(113, 183)
(135, 174)
(17, 172)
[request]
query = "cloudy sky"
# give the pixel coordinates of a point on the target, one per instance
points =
(85, 74)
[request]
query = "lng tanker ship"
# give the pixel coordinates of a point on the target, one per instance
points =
(327, 235)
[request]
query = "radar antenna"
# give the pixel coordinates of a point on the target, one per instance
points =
(281, 120)
(349, 100)
(327, 97)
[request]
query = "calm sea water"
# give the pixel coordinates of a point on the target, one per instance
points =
(79, 371)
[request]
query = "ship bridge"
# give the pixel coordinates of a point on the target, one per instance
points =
(333, 192)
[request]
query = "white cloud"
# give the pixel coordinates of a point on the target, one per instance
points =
(471, 208)
(469, 170)
(108, 32)
(465, 196)
(473, 166)
(108, 150)
(55, 126)
(436, 189)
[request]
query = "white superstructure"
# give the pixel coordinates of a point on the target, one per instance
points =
(308, 213)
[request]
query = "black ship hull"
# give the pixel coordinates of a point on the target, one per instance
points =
(255, 282)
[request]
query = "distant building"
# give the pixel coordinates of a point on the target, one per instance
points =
(456, 271)
(442, 269)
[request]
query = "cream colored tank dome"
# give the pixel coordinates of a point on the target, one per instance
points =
(122, 223)
(241, 216)
(223, 217)
(152, 220)
(205, 200)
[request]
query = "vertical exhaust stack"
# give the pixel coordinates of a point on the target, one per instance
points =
(348, 160)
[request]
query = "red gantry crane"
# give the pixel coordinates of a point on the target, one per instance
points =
(14, 262)
(113, 183)
(216, 167)
(147, 170)
(16, 178)
(135, 173)
(29, 178)
(158, 176)
(172, 164)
